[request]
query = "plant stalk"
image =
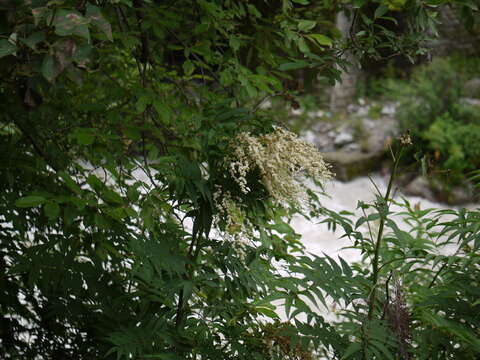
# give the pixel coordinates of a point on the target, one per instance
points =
(375, 267)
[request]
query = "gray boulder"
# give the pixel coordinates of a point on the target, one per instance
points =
(349, 165)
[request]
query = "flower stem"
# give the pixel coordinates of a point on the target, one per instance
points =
(383, 217)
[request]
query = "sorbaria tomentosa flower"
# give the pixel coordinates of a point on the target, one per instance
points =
(284, 161)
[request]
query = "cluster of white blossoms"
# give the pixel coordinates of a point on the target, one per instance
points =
(234, 222)
(283, 159)
(229, 211)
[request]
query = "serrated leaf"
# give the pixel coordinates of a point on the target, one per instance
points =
(6, 48)
(30, 201)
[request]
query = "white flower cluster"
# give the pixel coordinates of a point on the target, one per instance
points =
(235, 225)
(283, 160)
(229, 211)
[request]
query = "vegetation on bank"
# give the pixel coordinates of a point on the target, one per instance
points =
(145, 201)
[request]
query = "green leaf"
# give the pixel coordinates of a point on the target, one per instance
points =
(302, 45)
(366, 19)
(6, 48)
(142, 103)
(69, 182)
(267, 312)
(387, 354)
(96, 18)
(132, 193)
(50, 69)
(39, 14)
(112, 197)
(30, 201)
(234, 43)
(188, 67)
(51, 210)
(320, 39)
(95, 182)
(293, 65)
(352, 349)
(82, 54)
(380, 11)
(71, 22)
(163, 110)
(283, 228)
(84, 136)
(33, 39)
(306, 25)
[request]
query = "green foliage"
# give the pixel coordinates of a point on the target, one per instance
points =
(415, 294)
(117, 123)
(443, 124)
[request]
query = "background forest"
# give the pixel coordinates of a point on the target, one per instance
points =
(150, 169)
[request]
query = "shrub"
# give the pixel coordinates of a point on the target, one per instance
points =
(439, 119)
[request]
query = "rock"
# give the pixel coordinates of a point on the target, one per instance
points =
(352, 147)
(348, 165)
(471, 88)
(456, 195)
(296, 112)
(368, 123)
(319, 139)
(343, 138)
(363, 111)
(352, 108)
(310, 137)
(419, 186)
(323, 127)
(378, 133)
(332, 134)
(470, 101)
(389, 110)
(460, 195)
